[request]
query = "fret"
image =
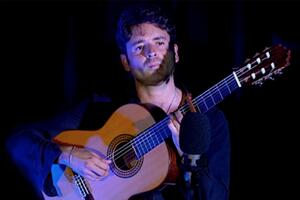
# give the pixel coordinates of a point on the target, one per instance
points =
(205, 107)
(138, 151)
(156, 138)
(151, 138)
(209, 102)
(232, 84)
(141, 146)
(217, 94)
(197, 108)
(224, 89)
(166, 132)
(227, 88)
(202, 106)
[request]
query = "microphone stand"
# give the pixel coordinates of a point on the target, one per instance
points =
(189, 165)
(192, 165)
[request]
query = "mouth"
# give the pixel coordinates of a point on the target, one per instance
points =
(153, 65)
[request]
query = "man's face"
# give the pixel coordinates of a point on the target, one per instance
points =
(148, 56)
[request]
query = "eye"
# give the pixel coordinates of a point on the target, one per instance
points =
(138, 48)
(160, 43)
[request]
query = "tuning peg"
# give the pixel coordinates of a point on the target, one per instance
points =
(271, 78)
(258, 82)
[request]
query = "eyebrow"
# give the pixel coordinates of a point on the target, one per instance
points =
(155, 39)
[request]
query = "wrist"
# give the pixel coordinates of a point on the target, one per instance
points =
(66, 155)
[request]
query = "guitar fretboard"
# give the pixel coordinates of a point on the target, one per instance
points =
(151, 137)
(213, 96)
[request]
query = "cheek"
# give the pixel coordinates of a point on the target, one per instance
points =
(135, 61)
(162, 53)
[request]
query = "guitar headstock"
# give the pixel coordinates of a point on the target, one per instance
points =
(264, 65)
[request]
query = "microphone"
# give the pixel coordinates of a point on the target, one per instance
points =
(194, 140)
(194, 137)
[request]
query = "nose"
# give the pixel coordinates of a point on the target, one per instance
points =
(151, 55)
(150, 52)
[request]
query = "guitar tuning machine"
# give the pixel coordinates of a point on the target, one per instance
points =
(271, 78)
(258, 82)
(278, 72)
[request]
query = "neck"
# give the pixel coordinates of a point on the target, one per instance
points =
(166, 95)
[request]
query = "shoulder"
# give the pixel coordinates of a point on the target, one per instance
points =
(217, 118)
(216, 114)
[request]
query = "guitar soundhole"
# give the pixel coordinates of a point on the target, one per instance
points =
(124, 161)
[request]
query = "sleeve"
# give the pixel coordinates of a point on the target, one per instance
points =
(32, 151)
(213, 182)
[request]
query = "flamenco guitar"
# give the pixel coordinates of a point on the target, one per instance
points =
(134, 137)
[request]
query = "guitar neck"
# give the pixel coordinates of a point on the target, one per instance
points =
(213, 95)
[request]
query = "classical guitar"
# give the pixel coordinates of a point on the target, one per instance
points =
(134, 137)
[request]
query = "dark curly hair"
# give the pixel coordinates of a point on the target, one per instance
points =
(139, 14)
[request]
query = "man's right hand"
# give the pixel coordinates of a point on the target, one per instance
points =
(84, 162)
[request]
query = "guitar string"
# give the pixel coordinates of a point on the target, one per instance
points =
(81, 184)
(141, 139)
(131, 155)
(172, 100)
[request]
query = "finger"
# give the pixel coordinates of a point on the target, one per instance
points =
(96, 155)
(174, 126)
(106, 173)
(100, 158)
(100, 163)
(92, 178)
(178, 116)
(98, 171)
(88, 174)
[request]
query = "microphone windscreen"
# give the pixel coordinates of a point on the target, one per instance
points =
(194, 135)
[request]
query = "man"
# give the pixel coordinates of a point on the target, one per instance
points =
(147, 41)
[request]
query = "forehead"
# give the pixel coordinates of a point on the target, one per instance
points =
(147, 30)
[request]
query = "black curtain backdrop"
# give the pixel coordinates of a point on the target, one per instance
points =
(54, 53)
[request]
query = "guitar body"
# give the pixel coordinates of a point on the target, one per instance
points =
(127, 176)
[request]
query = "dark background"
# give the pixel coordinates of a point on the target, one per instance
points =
(54, 53)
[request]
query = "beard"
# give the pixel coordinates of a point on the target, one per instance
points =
(162, 74)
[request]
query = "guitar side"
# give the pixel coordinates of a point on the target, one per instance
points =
(146, 174)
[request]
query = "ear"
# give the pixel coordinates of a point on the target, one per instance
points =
(125, 62)
(176, 53)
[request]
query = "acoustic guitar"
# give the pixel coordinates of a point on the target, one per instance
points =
(134, 137)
